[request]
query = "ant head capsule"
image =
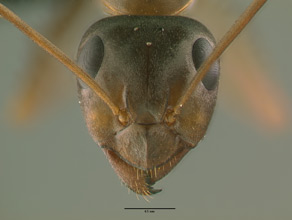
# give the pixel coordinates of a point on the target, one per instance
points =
(147, 81)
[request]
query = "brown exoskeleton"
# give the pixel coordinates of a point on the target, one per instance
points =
(148, 108)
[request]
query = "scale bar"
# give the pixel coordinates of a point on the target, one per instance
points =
(150, 208)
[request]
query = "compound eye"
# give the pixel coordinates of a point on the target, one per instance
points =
(201, 50)
(90, 56)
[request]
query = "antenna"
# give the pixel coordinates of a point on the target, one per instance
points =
(234, 31)
(45, 44)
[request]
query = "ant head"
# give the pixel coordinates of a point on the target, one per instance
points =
(145, 64)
